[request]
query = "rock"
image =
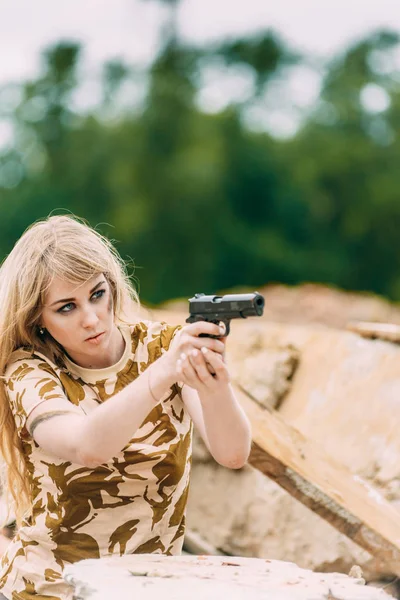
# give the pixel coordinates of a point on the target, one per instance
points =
(344, 396)
(356, 572)
(315, 303)
(174, 577)
(244, 513)
(265, 370)
(391, 586)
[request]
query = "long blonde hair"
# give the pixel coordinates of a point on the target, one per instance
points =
(59, 246)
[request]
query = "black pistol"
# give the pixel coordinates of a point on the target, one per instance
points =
(217, 309)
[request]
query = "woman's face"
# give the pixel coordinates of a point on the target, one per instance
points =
(80, 318)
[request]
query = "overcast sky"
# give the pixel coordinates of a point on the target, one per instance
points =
(128, 28)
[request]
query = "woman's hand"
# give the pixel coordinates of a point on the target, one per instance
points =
(204, 370)
(186, 341)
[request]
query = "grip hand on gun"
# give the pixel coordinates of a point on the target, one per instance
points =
(199, 361)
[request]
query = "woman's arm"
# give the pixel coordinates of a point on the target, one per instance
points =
(94, 439)
(214, 408)
(222, 425)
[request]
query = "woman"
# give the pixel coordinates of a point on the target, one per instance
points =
(96, 414)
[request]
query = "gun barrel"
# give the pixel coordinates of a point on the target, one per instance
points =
(229, 306)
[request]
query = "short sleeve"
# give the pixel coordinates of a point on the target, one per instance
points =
(28, 383)
(168, 332)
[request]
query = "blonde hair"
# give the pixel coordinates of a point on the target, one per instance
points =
(59, 246)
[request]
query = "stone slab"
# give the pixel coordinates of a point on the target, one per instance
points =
(150, 577)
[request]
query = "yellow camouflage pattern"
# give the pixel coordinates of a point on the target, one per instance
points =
(133, 504)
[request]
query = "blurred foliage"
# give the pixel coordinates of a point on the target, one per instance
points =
(199, 201)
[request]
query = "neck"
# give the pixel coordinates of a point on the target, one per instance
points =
(115, 350)
(107, 357)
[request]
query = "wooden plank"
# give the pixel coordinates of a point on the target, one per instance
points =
(195, 544)
(388, 332)
(346, 501)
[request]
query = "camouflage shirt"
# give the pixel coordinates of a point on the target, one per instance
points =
(135, 503)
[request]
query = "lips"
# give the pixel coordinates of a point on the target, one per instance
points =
(94, 337)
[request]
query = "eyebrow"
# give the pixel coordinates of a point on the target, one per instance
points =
(73, 299)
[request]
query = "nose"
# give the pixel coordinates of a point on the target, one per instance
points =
(89, 318)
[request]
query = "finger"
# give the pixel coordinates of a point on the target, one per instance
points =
(206, 328)
(222, 327)
(216, 362)
(223, 340)
(213, 344)
(186, 371)
(189, 342)
(200, 366)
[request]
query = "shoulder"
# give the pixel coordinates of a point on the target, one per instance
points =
(26, 362)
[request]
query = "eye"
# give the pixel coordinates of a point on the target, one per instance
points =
(66, 308)
(98, 294)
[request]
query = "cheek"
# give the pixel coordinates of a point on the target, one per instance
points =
(59, 327)
(110, 304)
